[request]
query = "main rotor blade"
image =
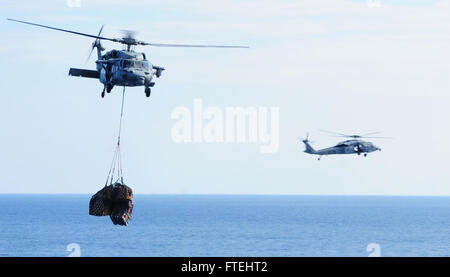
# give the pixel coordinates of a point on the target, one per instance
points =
(378, 137)
(344, 136)
(362, 137)
(368, 134)
(129, 40)
(334, 133)
(191, 45)
(63, 30)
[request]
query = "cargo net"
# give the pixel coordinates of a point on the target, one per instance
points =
(115, 199)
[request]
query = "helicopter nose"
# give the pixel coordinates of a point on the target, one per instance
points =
(134, 77)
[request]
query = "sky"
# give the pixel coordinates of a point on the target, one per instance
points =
(345, 66)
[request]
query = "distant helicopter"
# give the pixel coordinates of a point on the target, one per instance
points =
(122, 67)
(353, 146)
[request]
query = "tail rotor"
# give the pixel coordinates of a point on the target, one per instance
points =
(96, 43)
(308, 148)
(306, 139)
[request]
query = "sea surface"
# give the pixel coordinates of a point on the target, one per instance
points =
(229, 225)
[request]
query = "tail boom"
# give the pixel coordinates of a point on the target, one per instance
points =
(309, 149)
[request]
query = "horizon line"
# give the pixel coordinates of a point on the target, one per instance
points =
(238, 194)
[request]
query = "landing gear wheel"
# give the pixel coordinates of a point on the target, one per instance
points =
(109, 88)
(365, 154)
(103, 93)
(147, 91)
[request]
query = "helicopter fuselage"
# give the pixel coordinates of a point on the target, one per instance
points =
(353, 146)
(125, 68)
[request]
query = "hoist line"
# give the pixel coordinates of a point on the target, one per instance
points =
(111, 167)
(121, 116)
(117, 159)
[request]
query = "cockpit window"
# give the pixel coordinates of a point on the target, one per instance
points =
(137, 64)
(141, 64)
(145, 65)
(127, 63)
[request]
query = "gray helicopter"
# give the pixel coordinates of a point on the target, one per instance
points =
(124, 67)
(355, 145)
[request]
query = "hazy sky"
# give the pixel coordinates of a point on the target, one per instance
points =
(346, 66)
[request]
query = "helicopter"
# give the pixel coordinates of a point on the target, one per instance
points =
(355, 145)
(125, 67)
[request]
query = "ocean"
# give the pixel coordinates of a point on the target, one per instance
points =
(228, 225)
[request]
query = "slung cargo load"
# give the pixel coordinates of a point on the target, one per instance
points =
(115, 200)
